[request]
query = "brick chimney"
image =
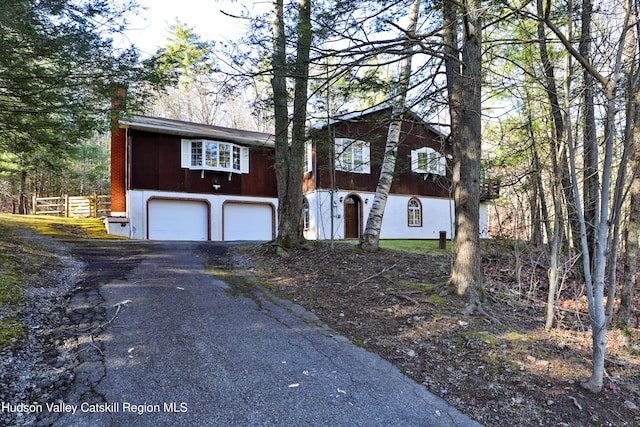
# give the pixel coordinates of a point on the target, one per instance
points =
(118, 154)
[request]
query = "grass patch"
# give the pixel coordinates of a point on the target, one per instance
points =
(12, 332)
(437, 301)
(516, 337)
(415, 246)
(90, 228)
(422, 287)
(10, 289)
(483, 338)
(238, 284)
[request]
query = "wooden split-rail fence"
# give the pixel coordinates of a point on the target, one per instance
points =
(93, 206)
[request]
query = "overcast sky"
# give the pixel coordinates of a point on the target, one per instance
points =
(149, 30)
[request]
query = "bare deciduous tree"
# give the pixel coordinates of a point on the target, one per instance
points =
(374, 221)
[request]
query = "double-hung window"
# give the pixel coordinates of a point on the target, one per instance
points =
(221, 156)
(353, 155)
(428, 160)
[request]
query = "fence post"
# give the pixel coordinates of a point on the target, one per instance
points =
(66, 205)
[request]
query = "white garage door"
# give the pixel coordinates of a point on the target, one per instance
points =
(248, 221)
(178, 220)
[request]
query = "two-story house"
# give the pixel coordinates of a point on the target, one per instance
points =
(343, 164)
(174, 180)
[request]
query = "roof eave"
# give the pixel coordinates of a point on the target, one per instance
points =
(267, 140)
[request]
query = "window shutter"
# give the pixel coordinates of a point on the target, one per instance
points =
(244, 159)
(442, 165)
(185, 156)
(366, 157)
(414, 160)
(432, 161)
(338, 150)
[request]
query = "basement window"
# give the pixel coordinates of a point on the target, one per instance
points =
(203, 154)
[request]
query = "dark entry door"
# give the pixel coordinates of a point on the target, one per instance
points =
(352, 218)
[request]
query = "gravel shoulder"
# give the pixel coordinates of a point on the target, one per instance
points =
(35, 367)
(61, 308)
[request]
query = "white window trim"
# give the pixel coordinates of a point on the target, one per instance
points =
(306, 213)
(436, 161)
(347, 145)
(416, 209)
(187, 163)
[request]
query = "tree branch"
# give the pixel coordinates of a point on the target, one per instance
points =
(574, 52)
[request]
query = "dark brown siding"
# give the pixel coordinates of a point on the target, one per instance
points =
(155, 160)
(374, 130)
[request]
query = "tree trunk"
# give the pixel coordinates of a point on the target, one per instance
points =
(607, 218)
(594, 273)
(290, 157)
(281, 111)
(465, 86)
(595, 292)
(22, 197)
(632, 244)
(632, 235)
(590, 159)
(539, 216)
(558, 124)
(371, 237)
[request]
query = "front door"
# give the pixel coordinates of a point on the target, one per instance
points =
(352, 218)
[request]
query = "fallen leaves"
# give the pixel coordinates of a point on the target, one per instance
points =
(516, 371)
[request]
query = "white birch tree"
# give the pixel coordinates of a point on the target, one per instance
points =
(595, 257)
(371, 236)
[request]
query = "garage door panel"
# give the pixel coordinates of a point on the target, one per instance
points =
(178, 220)
(248, 221)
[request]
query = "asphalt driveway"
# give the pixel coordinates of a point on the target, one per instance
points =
(176, 349)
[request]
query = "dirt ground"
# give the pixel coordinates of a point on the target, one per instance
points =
(514, 374)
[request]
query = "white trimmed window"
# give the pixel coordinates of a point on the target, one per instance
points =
(353, 155)
(305, 213)
(428, 160)
(214, 155)
(414, 212)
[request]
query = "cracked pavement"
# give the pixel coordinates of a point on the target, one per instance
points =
(167, 345)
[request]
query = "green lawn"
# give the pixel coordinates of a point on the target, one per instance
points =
(407, 245)
(415, 246)
(58, 226)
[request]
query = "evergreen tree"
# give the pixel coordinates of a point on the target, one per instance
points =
(58, 68)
